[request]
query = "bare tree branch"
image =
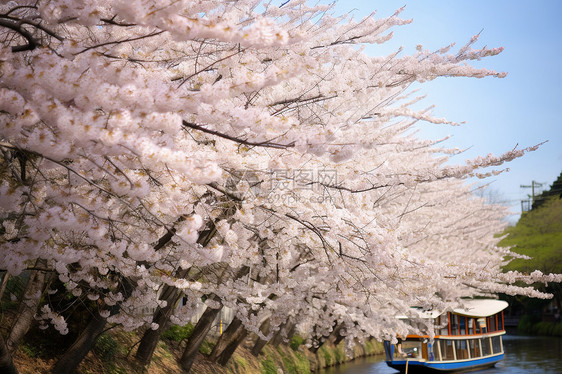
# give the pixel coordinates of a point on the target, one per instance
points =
(267, 144)
(17, 27)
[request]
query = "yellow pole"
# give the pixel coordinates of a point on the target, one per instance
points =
(406, 366)
(221, 326)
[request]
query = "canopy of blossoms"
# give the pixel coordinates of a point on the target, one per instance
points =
(175, 142)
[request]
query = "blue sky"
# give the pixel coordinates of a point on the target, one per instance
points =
(522, 110)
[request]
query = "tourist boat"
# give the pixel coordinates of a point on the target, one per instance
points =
(465, 339)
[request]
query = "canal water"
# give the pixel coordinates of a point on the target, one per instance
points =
(523, 355)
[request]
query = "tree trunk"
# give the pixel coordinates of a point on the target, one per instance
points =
(260, 343)
(70, 360)
(315, 349)
(149, 340)
(339, 337)
(286, 332)
(27, 309)
(231, 339)
(229, 334)
(202, 328)
(291, 331)
(336, 337)
(324, 339)
(199, 333)
(319, 342)
(239, 337)
(278, 337)
(162, 316)
(6, 363)
(4, 284)
(151, 337)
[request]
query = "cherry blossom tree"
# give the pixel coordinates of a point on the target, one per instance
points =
(249, 152)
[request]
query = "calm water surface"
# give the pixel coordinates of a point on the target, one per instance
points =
(523, 355)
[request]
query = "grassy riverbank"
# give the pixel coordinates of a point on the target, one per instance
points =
(114, 354)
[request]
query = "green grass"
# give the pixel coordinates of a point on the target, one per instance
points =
(268, 366)
(326, 354)
(178, 333)
(289, 364)
(206, 347)
(302, 364)
(296, 342)
(339, 353)
(373, 347)
(240, 362)
(30, 350)
(106, 347)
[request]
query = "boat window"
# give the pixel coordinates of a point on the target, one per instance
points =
(462, 325)
(497, 344)
(447, 350)
(454, 324)
(492, 323)
(462, 349)
(412, 348)
(486, 348)
(500, 321)
(482, 325)
(437, 355)
(470, 326)
(474, 348)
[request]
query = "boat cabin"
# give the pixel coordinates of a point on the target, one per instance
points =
(464, 339)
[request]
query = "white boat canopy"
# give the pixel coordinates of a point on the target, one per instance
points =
(481, 307)
(476, 308)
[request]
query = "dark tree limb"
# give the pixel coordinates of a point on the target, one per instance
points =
(229, 335)
(267, 144)
(198, 336)
(17, 27)
(260, 343)
(6, 363)
(227, 353)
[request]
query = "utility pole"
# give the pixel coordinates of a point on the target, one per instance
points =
(532, 196)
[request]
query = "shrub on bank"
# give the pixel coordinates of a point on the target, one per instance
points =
(529, 325)
(178, 333)
(296, 342)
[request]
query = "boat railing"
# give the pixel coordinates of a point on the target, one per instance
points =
(450, 347)
(467, 348)
(471, 336)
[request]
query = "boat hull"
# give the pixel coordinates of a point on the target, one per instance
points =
(415, 366)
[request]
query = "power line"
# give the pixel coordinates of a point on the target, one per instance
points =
(529, 203)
